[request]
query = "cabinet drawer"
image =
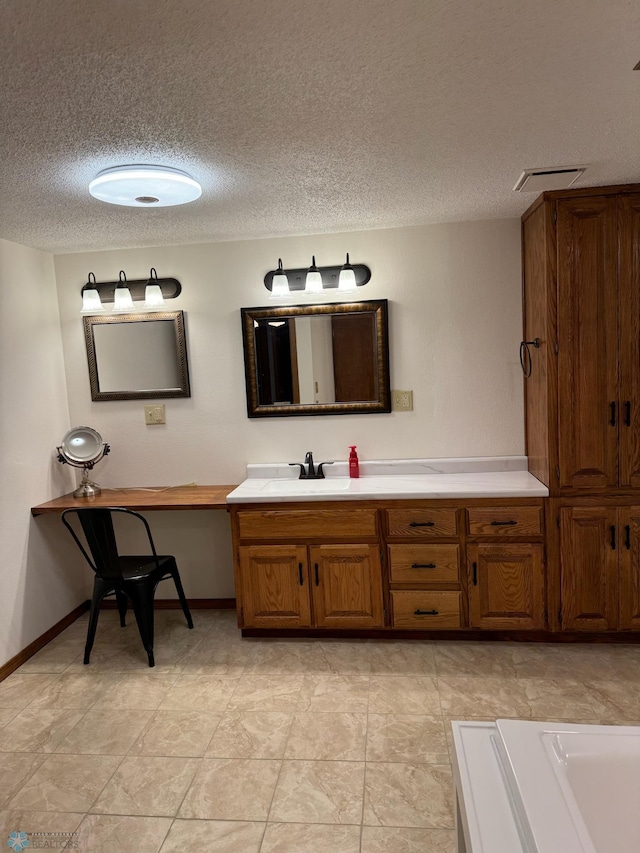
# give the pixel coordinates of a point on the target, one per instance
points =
(505, 521)
(420, 523)
(424, 609)
(424, 563)
(307, 524)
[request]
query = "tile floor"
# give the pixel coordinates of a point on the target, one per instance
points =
(270, 746)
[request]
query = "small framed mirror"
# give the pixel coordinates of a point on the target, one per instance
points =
(330, 359)
(137, 356)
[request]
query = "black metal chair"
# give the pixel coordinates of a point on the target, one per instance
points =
(130, 577)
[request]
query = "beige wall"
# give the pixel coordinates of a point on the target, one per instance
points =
(40, 575)
(455, 324)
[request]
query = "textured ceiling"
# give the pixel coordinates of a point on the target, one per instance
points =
(306, 116)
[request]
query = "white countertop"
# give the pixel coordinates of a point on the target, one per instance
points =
(464, 477)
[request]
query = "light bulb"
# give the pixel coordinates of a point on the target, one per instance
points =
(313, 283)
(279, 283)
(153, 297)
(91, 302)
(122, 301)
(347, 279)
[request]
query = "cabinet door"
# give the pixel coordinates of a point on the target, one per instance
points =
(589, 567)
(587, 336)
(506, 586)
(630, 567)
(275, 586)
(346, 581)
(629, 277)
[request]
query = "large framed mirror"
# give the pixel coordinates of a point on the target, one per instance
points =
(137, 356)
(330, 359)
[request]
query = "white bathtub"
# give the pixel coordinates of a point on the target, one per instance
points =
(530, 787)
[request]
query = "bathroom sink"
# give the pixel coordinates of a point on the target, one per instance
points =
(306, 487)
(577, 787)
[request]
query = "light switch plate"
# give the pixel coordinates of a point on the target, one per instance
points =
(154, 414)
(402, 401)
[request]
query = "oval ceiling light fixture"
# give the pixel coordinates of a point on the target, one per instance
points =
(145, 186)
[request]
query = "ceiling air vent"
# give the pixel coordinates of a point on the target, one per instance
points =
(541, 180)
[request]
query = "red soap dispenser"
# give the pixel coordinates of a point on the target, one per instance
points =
(354, 464)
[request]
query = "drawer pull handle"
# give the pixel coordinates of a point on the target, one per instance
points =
(475, 574)
(315, 565)
(425, 612)
(300, 574)
(613, 537)
(503, 523)
(422, 524)
(627, 413)
(612, 418)
(627, 537)
(423, 565)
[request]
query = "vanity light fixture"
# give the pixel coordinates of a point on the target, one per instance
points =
(91, 302)
(313, 282)
(122, 301)
(347, 278)
(280, 283)
(153, 297)
(316, 280)
(123, 294)
(145, 186)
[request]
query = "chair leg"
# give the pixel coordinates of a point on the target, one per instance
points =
(183, 601)
(100, 589)
(142, 599)
(122, 600)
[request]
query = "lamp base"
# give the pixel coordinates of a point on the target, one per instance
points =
(87, 490)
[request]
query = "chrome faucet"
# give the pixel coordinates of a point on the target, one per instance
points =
(308, 471)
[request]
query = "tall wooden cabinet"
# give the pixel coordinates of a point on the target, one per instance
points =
(581, 269)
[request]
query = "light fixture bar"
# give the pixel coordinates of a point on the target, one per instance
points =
(330, 277)
(169, 287)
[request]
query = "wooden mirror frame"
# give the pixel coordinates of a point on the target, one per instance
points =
(377, 308)
(177, 317)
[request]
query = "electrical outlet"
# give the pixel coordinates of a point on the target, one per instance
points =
(154, 415)
(402, 401)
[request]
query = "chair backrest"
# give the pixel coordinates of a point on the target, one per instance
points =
(97, 526)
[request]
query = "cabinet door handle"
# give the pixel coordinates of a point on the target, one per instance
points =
(422, 524)
(627, 537)
(315, 565)
(423, 565)
(300, 574)
(425, 612)
(613, 537)
(627, 413)
(503, 523)
(612, 419)
(475, 574)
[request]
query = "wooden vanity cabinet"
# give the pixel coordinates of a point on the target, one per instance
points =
(506, 573)
(581, 268)
(307, 583)
(424, 560)
(600, 568)
(581, 259)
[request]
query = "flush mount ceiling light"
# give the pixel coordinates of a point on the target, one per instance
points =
(145, 186)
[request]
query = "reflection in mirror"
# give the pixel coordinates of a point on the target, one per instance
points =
(317, 359)
(134, 357)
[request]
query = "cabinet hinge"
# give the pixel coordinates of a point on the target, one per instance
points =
(558, 520)
(555, 215)
(545, 615)
(556, 346)
(558, 473)
(559, 615)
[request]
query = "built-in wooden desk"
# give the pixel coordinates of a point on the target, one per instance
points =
(152, 498)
